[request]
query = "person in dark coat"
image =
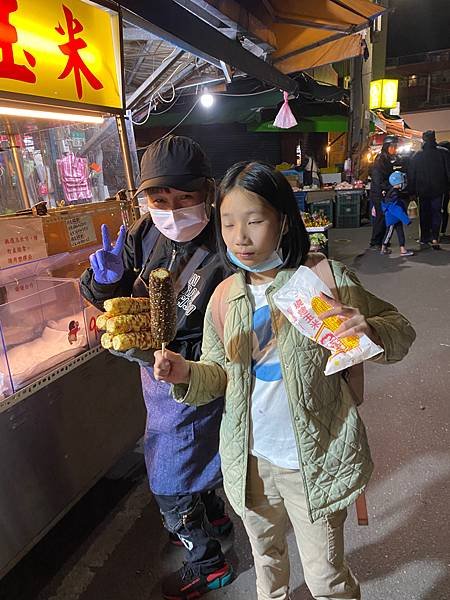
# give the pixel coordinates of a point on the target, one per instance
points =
(381, 170)
(445, 205)
(180, 442)
(429, 179)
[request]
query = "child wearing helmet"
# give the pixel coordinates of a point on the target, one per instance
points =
(395, 214)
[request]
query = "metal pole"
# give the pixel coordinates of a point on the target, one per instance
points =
(125, 149)
(18, 166)
(126, 156)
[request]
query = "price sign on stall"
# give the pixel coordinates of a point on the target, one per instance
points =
(81, 231)
(90, 316)
(21, 241)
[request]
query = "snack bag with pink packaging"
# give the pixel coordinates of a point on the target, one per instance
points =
(301, 303)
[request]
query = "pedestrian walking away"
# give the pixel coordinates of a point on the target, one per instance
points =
(293, 446)
(429, 179)
(381, 170)
(446, 200)
(395, 214)
(180, 442)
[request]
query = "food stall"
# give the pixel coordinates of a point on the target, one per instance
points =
(68, 409)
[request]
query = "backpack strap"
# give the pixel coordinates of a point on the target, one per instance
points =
(319, 263)
(194, 262)
(219, 305)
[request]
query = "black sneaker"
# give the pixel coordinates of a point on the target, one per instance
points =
(189, 582)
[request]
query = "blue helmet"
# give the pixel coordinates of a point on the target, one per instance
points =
(398, 178)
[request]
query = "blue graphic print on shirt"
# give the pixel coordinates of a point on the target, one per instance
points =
(262, 367)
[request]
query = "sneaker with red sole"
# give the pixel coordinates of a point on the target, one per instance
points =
(189, 582)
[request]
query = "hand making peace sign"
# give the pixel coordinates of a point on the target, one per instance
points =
(107, 264)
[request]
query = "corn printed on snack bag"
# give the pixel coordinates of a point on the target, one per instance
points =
(301, 303)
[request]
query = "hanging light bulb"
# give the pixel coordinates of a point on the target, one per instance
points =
(207, 99)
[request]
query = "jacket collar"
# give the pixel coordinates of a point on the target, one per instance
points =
(238, 287)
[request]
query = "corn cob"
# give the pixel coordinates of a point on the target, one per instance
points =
(128, 323)
(107, 341)
(319, 306)
(102, 319)
(163, 306)
(142, 340)
(126, 306)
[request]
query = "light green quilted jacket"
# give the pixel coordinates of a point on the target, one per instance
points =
(333, 451)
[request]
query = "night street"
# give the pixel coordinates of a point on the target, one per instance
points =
(112, 546)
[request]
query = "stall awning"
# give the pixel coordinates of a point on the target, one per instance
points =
(393, 126)
(316, 32)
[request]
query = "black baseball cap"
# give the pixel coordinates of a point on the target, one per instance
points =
(174, 161)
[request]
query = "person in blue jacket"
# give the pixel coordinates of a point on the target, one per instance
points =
(395, 214)
(180, 442)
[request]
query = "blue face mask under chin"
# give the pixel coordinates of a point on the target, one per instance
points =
(272, 262)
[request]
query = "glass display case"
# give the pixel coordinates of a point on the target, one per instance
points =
(41, 322)
(63, 164)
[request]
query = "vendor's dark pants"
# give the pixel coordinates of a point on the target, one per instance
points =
(445, 213)
(430, 215)
(187, 516)
(379, 225)
(398, 228)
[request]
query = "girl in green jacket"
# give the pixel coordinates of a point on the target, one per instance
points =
(293, 446)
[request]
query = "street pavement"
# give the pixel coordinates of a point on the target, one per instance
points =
(112, 546)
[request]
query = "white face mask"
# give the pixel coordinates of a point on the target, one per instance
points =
(181, 225)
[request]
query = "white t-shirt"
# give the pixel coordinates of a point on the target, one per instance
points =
(271, 430)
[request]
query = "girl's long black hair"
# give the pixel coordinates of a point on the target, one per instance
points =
(271, 185)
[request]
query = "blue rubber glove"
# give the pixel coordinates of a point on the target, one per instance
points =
(144, 358)
(107, 263)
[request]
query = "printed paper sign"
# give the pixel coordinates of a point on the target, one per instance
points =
(21, 241)
(81, 231)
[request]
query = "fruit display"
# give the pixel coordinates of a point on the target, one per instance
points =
(316, 219)
(318, 241)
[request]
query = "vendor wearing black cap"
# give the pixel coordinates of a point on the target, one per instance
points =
(181, 442)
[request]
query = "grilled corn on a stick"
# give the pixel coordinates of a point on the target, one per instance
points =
(143, 340)
(127, 306)
(101, 320)
(163, 306)
(107, 341)
(128, 323)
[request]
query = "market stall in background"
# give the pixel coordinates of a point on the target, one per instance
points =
(67, 163)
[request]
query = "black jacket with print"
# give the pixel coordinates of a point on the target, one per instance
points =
(196, 293)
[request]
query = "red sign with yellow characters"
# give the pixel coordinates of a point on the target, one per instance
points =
(66, 50)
